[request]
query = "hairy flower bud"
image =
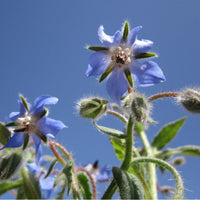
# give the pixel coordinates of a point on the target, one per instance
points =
(190, 99)
(92, 107)
(139, 106)
(178, 161)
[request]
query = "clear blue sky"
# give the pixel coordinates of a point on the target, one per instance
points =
(42, 52)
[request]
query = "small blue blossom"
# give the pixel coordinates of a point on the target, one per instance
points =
(46, 184)
(100, 174)
(120, 55)
(33, 121)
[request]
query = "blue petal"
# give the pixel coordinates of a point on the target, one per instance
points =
(50, 126)
(98, 63)
(40, 102)
(33, 168)
(38, 147)
(46, 186)
(104, 174)
(107, 40)
(15, 115)
(142, 46)
(15, 141)
(117, 37)
(117, 85)
(133, 34)
(147, 74)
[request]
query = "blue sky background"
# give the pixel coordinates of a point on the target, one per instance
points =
(42, 52)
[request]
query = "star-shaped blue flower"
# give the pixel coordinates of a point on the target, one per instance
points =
(120, 56)
(46, 184)
(33, 122)
(100, 174)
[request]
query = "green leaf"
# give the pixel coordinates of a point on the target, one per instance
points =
(110, 131)
(24, 102)
(4, 134)
(84, 186)
(97, 48)
(10, 165)
(30, 184)
(187, 150)
(167, 133)
(105, 74)
(6, 186)
(119, 147)
(129, 77)
(126, 30)
(51, 167)
(67, 170)
(129, 185)
(145, 55)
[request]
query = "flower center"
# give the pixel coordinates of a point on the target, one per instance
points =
(121, 55)
(26, 124)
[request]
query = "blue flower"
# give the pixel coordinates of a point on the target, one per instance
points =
(33, 122)
(46, 184)
(120, 55)
(100, 174)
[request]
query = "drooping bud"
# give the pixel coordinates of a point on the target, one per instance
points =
(138, 105)
(92, 107)
(10, 164)
(167, 190)
(190, 99)
(178, 161)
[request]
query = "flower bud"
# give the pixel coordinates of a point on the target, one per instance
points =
(190, 99)
(92, 107)
(138, 105)
(178, 161)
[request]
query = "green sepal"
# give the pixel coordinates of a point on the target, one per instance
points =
(105, 74)
(129, 185)
(167, 133)
(24, 102)
(126, 30)
(119, 147)
(84, 186)
(110, 131)
(4, 134)
(67, 170)
(30, 184)
(7, 186)
(45, 112)
(97, 48)
(11, 124)
(129, 77)
(26, 139)
(145, 55)
(10, 164)
(51, 167)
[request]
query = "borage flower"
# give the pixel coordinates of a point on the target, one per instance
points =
(46, 184)
(33, 121)
(100, 174)
(120, 55)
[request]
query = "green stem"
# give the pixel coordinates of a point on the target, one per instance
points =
(151, 166)
(162, 95)
(179, 181)
(127, 159)
(118, 115)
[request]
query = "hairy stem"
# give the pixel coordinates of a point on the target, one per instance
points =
(127, 159)
(118, 115)
(179, 181)
(151, 166)
(162, 95)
